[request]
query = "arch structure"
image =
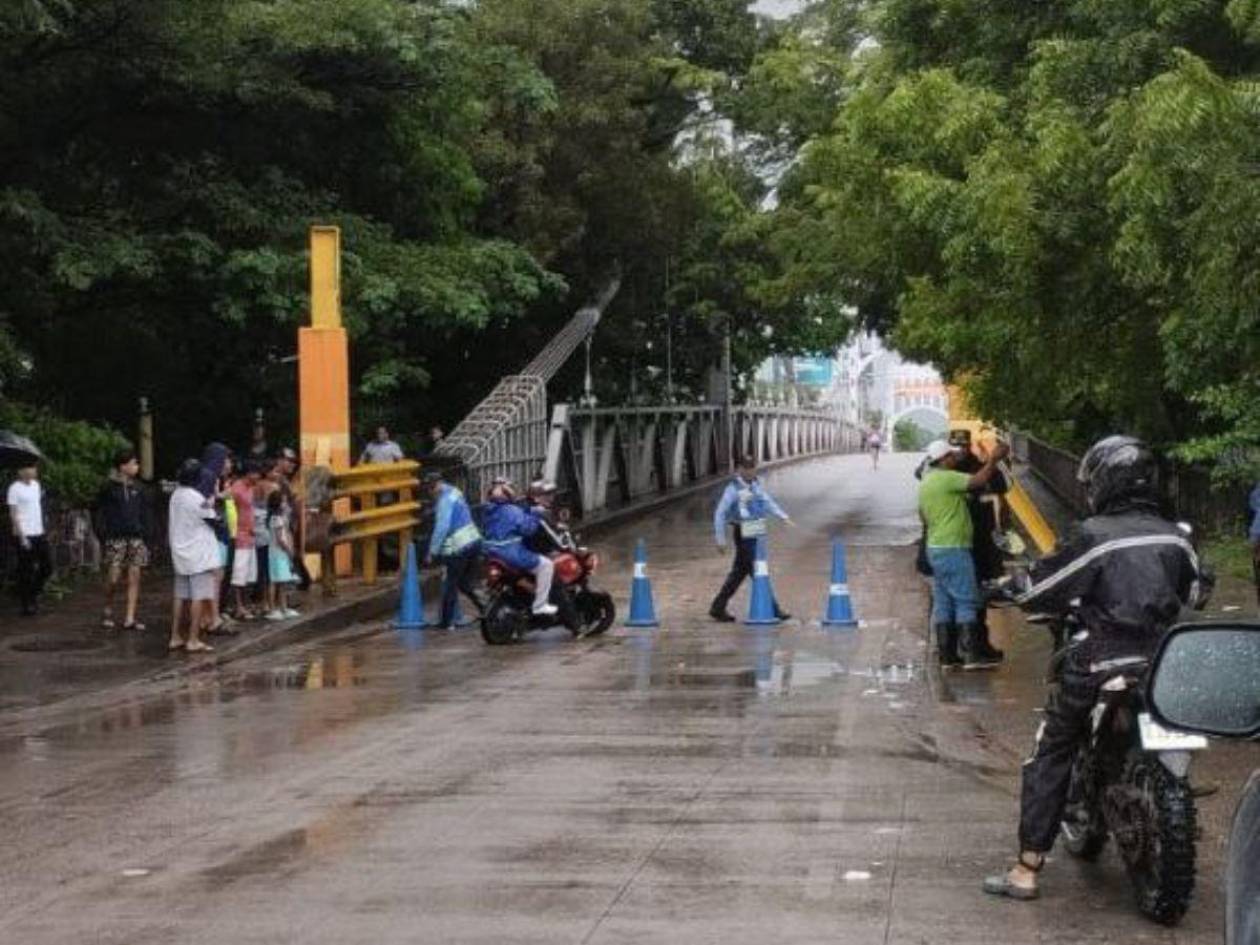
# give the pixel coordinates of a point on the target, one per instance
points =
(937, 410)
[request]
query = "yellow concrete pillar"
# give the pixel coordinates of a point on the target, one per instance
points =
(324, 373)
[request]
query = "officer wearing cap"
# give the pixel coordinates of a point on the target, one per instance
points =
(456, 543)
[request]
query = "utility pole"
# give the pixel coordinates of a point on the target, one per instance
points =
(728, 414)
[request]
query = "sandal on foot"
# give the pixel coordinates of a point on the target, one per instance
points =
(1001, 884)
(199, 648)
(134, 625)
(108, 622)
(174, 645)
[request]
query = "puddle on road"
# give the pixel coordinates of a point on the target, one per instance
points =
(765, 663)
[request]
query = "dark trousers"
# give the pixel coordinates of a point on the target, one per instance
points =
(34, 568)
(1047, 774)
(460, 573)
(741, 567)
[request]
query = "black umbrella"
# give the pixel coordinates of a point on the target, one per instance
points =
(18, 451)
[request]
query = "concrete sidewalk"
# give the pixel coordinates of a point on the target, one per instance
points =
(65, 651)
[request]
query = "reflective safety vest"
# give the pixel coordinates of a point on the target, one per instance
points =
(454, 515)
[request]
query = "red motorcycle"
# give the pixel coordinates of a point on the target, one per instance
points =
(581, 608)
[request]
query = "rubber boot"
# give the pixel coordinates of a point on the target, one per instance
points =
(947, 646)
(986, 645)
(970, 649)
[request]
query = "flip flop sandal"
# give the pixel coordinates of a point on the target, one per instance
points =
(108, 623)
(1001, 884)
(134, 625)
(176, 645)
(199, 648)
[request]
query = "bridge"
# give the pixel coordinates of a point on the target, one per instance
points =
(608, 458)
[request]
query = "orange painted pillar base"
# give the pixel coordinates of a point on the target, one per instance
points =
(324, 396)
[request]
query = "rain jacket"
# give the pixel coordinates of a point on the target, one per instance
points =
(453, 530)
(1131, 570)
(506, 525)
(744, 505)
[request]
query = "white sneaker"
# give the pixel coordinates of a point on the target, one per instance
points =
(274, 615)
(545, 610)
(290, 613)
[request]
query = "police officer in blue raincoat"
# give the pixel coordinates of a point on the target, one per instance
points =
(744, 507)
(507, 525)
(455, 542)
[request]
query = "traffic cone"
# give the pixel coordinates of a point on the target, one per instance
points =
(761, 601)
(839, 604)
(411, 602)
(642, 608)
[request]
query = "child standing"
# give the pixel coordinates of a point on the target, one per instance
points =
(279, 558)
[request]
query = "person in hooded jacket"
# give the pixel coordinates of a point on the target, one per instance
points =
(506, 526)
(1129, 572)
(123, 525)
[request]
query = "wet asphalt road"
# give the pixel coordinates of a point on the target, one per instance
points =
(696, 784)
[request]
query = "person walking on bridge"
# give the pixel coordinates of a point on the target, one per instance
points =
(744, 507)
(943, 504)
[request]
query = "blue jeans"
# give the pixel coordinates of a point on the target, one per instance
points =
(954, 593)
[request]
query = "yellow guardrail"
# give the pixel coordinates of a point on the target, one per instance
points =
(983, 436)
(386, 494)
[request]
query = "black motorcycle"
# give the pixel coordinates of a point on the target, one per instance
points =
(1130, 782)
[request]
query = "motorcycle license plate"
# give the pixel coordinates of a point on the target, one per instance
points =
(1157, 738)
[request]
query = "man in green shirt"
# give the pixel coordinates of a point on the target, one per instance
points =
(955, 594)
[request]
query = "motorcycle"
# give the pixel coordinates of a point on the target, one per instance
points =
(1130, 782)
(581, 608)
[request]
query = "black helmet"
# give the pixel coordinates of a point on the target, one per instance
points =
(1117, 469)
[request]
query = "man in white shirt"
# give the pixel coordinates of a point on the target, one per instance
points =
(194, 556)
(382, 449)
(26, 517)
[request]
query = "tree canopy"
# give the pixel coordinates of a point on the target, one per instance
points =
(1055, 202)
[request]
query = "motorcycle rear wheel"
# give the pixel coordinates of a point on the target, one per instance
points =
(1083, 826)
(1161, 864)
(502, 624)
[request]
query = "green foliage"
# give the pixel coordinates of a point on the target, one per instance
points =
(1056, 203)
(909, 437)
(79, 454)
(488, 164)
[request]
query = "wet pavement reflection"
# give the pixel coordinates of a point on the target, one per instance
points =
(696, 783)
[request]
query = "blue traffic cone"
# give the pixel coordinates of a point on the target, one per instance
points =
(761, 609)
(839, 604)
(411, 603)
(642, 608)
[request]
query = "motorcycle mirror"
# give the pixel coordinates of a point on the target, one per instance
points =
(1206, 678)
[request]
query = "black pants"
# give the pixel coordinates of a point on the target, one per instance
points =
(34, 568)
(460, 571)
(741, 567)
(1064, 729)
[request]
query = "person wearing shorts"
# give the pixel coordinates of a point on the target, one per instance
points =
(122, 523)
(244, 560)
(194, 557)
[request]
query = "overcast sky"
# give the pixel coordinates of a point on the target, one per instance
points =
(777, 7)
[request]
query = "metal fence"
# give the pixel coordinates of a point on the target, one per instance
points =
(1188, 491)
